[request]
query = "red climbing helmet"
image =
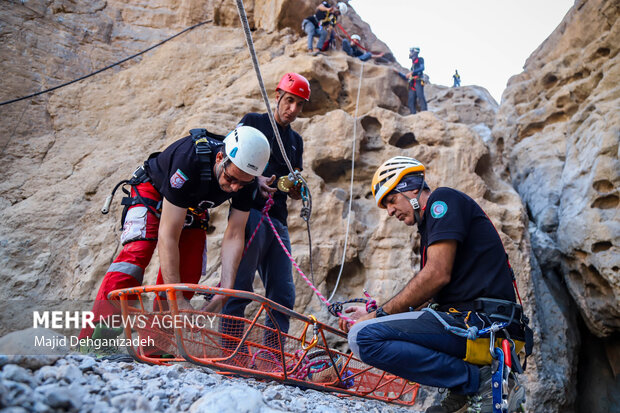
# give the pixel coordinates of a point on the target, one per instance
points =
(296, 84)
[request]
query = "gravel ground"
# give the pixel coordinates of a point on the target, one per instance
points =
(81, 383)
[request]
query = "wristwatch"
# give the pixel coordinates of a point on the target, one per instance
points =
(380, 312)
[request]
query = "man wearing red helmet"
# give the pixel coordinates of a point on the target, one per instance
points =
(265, 253)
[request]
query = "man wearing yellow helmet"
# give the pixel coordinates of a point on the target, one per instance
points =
(465, 272)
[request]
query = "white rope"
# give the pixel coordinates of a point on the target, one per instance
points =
(346, 237)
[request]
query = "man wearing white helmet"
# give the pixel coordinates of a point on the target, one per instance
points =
(466, 274)
(168, 208)
(415, 79)
(354, 49)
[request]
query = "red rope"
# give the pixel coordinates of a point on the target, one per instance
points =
(265, 212)
(352, 41)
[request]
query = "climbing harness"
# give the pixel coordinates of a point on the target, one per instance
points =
(501, 351)
(243, 346)
(196, 217)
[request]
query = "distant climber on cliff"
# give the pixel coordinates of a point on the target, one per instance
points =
(415, 79)
(327, 36)
(311, 24)
(168, 208)
(465, 273)
(354, 49)
(264, 254)
(457, 79)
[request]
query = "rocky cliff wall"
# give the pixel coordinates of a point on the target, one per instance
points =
(64, 152)
(558, 131)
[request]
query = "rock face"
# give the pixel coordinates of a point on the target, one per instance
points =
(63, 152)
(558, 131)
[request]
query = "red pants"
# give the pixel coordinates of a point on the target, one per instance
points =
(127, 270)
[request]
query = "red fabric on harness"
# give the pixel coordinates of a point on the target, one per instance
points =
(139, 253)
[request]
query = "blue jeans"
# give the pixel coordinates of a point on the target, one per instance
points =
(322, 38)
(416, 346)
(311, 31)
(266, 255)
(417, 95)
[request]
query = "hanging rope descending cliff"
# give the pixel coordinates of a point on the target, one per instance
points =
(346, 237)
(105, 68)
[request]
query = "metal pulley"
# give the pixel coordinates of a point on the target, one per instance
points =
(286, 182)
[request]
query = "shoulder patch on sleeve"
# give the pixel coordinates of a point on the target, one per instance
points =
(178, 179)
(439, 209)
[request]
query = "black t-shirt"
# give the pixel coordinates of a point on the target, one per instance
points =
(175, 173)
(480, 266)
(320, 14)
(356, 52)
(293, 146)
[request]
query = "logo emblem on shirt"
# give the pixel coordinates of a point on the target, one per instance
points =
(178, 179)
(439, 209)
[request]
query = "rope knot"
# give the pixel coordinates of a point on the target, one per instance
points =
(305, 213)
(472, 333)
(334, 309)
(371, 305)
(268, 204)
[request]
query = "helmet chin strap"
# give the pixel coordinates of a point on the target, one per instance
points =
(278, 104)
(415, 204)
(220, 168)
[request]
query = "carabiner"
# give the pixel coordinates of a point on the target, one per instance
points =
(315, 338)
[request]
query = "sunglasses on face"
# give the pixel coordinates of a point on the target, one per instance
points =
(232, 180)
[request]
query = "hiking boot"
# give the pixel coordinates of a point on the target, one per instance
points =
(101, 331)
(516, 398)
(92, 344)
(482, 400)
(452, 403)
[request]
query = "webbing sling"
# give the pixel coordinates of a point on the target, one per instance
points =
(203, 150)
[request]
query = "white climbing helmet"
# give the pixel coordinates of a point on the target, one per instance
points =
(248, 149)
(342, 7)
(356, 37)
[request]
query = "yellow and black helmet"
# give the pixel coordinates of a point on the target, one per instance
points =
(390, 173)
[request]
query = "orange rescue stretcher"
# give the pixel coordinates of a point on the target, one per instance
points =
(305, 356)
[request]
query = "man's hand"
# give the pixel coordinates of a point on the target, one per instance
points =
(356, 313)
(182, 303)
(215, 305)
(263, 185)
(295, 192)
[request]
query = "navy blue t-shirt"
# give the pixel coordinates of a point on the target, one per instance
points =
(480, 266)
(417, 66)
(175, 173)
(294, 148)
